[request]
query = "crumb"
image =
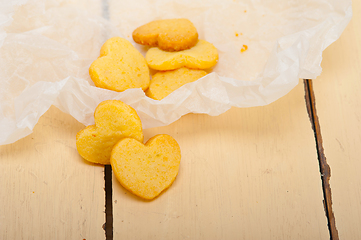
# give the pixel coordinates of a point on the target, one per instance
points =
(245, 47)
(245, 11)
(236, 34)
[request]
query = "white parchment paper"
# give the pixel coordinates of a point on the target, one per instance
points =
(46, 48)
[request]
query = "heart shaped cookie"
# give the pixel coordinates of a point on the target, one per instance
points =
(169, 34)
(146, 170)
(119, 67)
(202, 56)
(165, 82)
(114, 120)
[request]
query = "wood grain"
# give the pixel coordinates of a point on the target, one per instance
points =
(246, 174)
(48, 190)
(338, 103)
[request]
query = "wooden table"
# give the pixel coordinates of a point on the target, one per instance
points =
(288, 170)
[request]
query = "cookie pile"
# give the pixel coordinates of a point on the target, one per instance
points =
(116, 138)
(176, 52)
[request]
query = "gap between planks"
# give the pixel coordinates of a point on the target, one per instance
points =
(108, 226)
(324, 167)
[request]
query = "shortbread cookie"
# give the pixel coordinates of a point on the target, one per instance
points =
(202, 56)
(169, 35)
(163, 83)
(114, 120)
(120, 66)
(146, 170)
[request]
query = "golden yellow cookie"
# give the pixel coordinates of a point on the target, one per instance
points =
(163, 83)
(146, 170)
(202, 56)
(169, 34)
(119, 67)
(114, 120)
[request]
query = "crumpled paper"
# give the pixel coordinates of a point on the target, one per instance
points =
(46, 48)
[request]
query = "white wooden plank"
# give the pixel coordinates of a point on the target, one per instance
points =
(47, 190)
(246, 174)
(338, 103)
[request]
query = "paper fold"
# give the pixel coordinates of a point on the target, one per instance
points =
(44, 61)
